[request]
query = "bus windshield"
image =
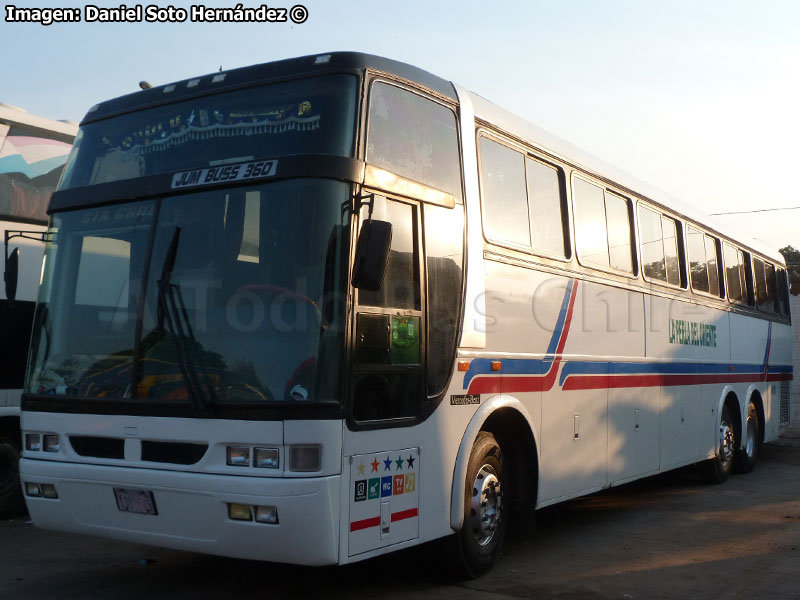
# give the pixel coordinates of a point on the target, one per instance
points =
(309, 116)
(222, 297)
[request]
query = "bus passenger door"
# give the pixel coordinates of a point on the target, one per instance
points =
(387, 390)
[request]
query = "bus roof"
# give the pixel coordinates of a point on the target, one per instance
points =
(538, 137)
(12, 115)
(330, 62)
(356, 62)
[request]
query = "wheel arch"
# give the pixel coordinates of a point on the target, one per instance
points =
(757, 400)
(506, 418)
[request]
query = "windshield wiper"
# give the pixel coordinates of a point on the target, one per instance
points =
(172, 310)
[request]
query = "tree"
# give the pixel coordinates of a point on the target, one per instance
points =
(792, 257)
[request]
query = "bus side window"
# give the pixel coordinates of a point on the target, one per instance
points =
(783, 292)
(504, 193)
(698, 261)
(712, 261)
(546, 205)
(602, 227)
(651, 244)
(734, 271)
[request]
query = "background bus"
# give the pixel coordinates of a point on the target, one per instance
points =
(33, 151)
(321, 309)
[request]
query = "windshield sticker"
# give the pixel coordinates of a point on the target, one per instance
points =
(243, 171)
(207, 123)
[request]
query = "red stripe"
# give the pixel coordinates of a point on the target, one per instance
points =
(597, 382)
(375, 521)
(528, 383)
(365, 524)
(404, 514)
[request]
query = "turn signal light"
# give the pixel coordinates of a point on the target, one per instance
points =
(238, 456)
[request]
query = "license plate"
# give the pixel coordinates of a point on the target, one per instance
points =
(135, 501)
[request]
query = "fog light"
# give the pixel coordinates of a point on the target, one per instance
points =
(50, 443)
(305, 458)
(33, 490)
(266, 458)
(238, 457)
(267, 514)
(49, 491)
(33, 442)
(240, 512)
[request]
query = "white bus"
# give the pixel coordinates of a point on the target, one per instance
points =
(321, 309)
(33, 151)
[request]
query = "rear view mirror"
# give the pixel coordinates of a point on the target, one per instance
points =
(11, 274)
(372, 255)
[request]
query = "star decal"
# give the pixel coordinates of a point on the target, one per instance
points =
(374, 464)
(410, 460)
(361, 468)
(387, 464)
(399, 462)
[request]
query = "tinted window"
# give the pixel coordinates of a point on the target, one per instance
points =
(670, 229)
(698, 265)
(590, 223)
(734, 270)
(546, 208)
(401, 282)
(313, 115)
(712, 260)
(414, 137)
(602, 227)
(30, 167)
(652, 247)
(504, 193)
(619, 233)
(444, 235)
(764, 280)
(783, 292)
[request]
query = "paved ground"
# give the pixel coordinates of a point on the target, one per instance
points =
(671, 536)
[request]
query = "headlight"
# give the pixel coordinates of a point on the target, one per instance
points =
(266, 458)
(33, 442)
(238, 456)
(51, 443)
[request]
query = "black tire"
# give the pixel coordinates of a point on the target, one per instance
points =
(746, 455)
(12, 503)
(717, 469)
(480, 540)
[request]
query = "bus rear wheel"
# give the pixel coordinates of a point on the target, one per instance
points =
(11, 501)
(717, 469)
(746, 456)
(480, 540)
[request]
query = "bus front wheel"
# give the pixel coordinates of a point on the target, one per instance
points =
(481, 537)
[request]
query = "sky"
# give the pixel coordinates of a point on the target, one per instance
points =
(699, 99)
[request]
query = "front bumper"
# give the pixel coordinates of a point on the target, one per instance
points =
(192, 510)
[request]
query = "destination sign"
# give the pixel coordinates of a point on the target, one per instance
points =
(223, 174)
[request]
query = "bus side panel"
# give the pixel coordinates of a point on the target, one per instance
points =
(633, 411)
(691, 344)
(575, 426)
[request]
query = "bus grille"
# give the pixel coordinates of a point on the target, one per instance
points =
(784, 402)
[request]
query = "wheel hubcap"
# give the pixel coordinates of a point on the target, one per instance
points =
(750, 442)
(726, 443)
(485, 505)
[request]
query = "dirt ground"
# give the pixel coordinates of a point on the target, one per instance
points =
(671, 536)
